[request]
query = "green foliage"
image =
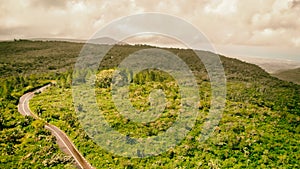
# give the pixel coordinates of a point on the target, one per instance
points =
(104, 78)
(24, 141)
(250, 134)
(259, 127)
(35, 57)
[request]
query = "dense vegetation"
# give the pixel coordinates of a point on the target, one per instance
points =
(24, 141)
(259, 128)
(28, 57)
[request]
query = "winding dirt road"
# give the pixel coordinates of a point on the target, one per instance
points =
(23, 108)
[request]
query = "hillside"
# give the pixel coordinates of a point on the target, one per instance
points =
(36, 57)
(259, 128)
(271, 65)
(292, 75)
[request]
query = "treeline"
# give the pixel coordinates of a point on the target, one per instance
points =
(105, 77)
(266, 92)
(11, 88)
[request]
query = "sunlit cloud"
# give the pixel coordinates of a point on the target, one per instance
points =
(225, 22)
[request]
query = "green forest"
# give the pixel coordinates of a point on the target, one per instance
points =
(259, 126)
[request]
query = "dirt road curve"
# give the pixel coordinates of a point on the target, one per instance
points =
(23, 108)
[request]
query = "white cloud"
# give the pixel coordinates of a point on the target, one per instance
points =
(221, 7)
(296, 41)
(247, 22)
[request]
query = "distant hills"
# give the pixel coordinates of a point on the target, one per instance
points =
(283, 69)
(59, 39)
(271, 65)
(102, 40)
(292, 75)
(286, 70)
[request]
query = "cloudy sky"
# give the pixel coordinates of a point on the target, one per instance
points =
(266, 28)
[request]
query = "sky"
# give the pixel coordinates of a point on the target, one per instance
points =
(258, 28)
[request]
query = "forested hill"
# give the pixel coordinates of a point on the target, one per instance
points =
(291, 75)
(35, 57)
(259, 128)
(41, 58)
